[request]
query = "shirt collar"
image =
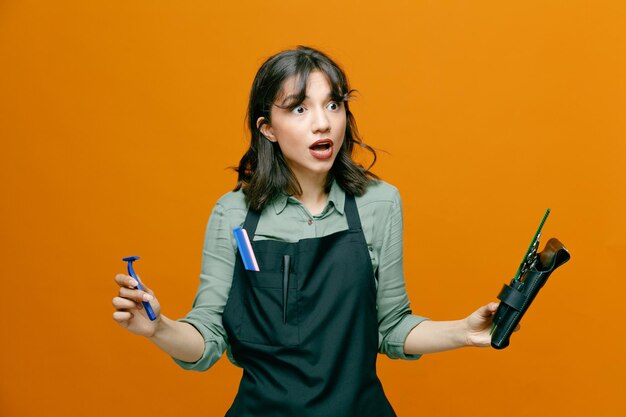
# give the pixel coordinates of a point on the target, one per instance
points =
(336, 196)
(280, 203)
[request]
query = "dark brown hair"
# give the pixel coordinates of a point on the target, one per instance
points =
(263, 172)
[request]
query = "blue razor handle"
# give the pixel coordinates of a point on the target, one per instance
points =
(131, 272)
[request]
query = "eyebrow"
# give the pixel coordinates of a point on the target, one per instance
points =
(291, 97)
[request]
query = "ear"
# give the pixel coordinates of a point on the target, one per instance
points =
(266, 129)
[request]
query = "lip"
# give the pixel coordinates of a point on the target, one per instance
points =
(321, 142)
(324, 153)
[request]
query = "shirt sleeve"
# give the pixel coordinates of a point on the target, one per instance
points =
(218, 260)
(395, 320)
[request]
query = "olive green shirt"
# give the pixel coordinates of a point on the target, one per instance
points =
(286, 219)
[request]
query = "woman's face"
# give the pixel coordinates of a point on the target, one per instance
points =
(311, 133)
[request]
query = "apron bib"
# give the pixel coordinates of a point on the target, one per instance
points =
(311, 353)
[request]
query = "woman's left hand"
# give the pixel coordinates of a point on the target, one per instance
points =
(478, 325)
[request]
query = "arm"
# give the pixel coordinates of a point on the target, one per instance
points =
(198, 340)
(405, 335)
(218, 262)
(384, 230)
(438, 336)
(180, 340)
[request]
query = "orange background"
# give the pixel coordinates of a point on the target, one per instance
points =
(118, 121)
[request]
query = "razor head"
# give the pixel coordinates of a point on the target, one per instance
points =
(130, 258)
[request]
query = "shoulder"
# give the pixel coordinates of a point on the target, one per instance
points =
(380, 210)
(379, 193)
(233, 200)
(230, 209)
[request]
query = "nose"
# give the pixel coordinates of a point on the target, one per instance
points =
(320, 121)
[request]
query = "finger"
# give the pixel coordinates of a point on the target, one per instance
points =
(123, 304)
(145, 287)
(135, 295)
(493, 307)
(488, 310)
(484, 343)
(122, 317)
(125, 281)
(517, 328)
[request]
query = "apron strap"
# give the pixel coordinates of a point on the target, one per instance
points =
(251, 222)
(352, 213)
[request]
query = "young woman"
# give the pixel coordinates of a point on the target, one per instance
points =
(327, 235)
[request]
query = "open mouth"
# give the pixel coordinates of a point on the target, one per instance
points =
(321, 145)
(322, 149)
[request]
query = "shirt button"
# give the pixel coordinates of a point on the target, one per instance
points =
(309, 222)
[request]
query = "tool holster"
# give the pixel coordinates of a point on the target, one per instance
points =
(517, 297)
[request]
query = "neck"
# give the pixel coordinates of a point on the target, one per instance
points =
(314, 196)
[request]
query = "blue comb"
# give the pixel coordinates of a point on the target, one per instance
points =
(131, 272)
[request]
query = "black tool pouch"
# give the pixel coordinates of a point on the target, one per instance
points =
(519, 294)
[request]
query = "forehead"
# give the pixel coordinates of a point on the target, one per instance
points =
(301, 85)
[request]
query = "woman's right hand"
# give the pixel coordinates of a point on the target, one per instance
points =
(129, 311)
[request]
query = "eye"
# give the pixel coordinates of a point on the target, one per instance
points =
(298, 110)
(333, 105)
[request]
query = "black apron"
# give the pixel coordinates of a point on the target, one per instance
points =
(315, 355)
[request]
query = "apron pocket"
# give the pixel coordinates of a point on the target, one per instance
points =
(264, 312)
